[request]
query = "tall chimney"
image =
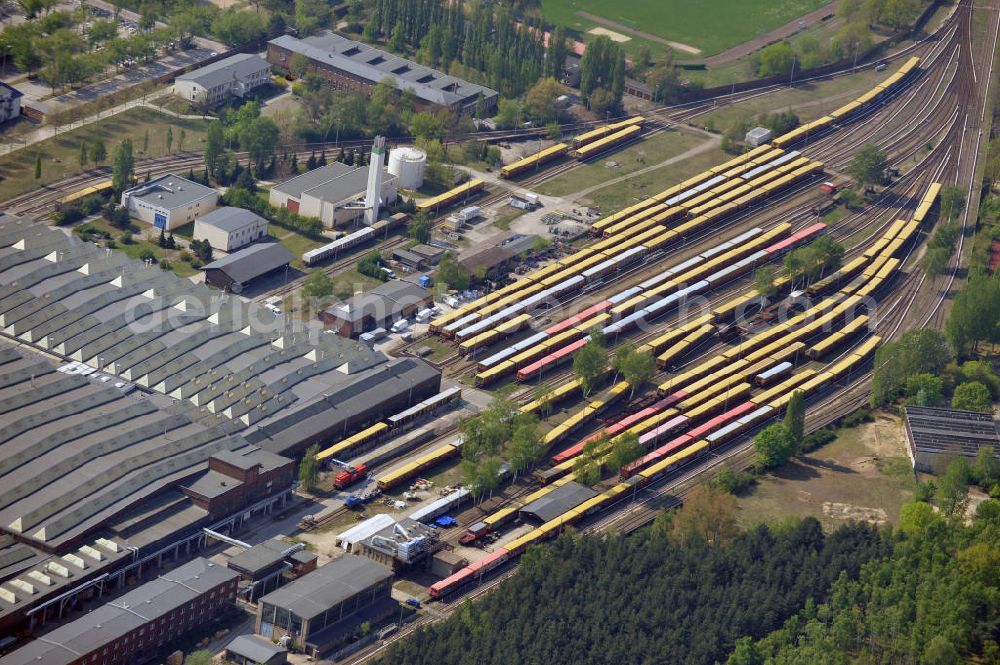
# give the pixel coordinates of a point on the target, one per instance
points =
(373, 197)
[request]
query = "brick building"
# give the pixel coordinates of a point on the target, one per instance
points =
(351, 65)
(141, 624)
(236, 478)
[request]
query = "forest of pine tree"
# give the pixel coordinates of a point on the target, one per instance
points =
(646, 598)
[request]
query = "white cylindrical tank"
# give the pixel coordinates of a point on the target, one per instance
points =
(407, 164)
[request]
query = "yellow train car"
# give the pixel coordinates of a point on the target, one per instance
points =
(607, 143)
(99, 188)
(364, 436)
(534, 161)
(452, 196)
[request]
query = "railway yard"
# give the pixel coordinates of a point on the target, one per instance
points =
(672, 275)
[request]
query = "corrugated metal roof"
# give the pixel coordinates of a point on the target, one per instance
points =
(253, 261)
(329, 585)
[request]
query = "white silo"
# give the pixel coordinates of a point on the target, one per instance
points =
(407, 164)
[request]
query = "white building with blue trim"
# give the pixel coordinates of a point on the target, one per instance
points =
(169, 201)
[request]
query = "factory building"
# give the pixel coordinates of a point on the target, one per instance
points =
(334, 193)
(169, 201)
(152, 392)
(140, 625)
(357, 67)
(326, 607)
(228, 229)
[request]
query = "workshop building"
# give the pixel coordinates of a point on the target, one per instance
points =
(327, 606)
(334, 193)
(236, 271)
(169, 202)
(378, 308)
(255, 650)
(228, 229)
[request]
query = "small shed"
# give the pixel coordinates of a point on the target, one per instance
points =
(758, 136)
(408, 258)
(255, 650)
(430, 253)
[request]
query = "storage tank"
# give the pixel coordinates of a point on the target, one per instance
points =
(407, 164)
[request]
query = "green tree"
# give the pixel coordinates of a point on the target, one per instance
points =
(795, 417)
(97, 151)
(637, 367)
(868, 166)
(972, 396)
(38, 166)
(83, 154)
(602, 74)
(776, 59)
(986, 468)
(309, 468)
(180, 141)
(590, 363)
(526, 447)
(898, 14)
(317, 284)
(215, 150)
(773, 446)
(419, 228)
(916, 517)
(259, 139)
(123, 168)
(540, 100)
(763, 282)
(953, 488)
(451, 272)
(170, 138)
(952, 202)
(625, 450)
(509, 113)
(707, 514)
(850, 198)
(924, 389)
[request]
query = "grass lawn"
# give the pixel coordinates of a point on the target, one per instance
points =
(615, 197)
(653, 150)
(712, 29)
(863, 475)
(809, 101)
(296, 243)
(60, 155)
(139, 245)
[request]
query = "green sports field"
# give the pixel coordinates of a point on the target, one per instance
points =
(709, 25)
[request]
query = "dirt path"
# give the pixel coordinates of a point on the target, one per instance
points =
(708, 144)
(638, 33)
(787, 30)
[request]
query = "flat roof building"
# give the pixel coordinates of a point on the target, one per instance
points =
(262, 566)
(935, 436)
(228, 229)
(323, 608)
(352, 65)
(137, 626)
(236, 75)
(169, 201)
(378, 308)
(236, 271)
(332, 193)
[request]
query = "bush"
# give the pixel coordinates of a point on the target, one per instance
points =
(147, 255)
(110, 243)
(68, 215)
(165, 265)
(817, 439)
(186, 256)
(734, 482)
(856, 418)
(195, 263)
(126, 238)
